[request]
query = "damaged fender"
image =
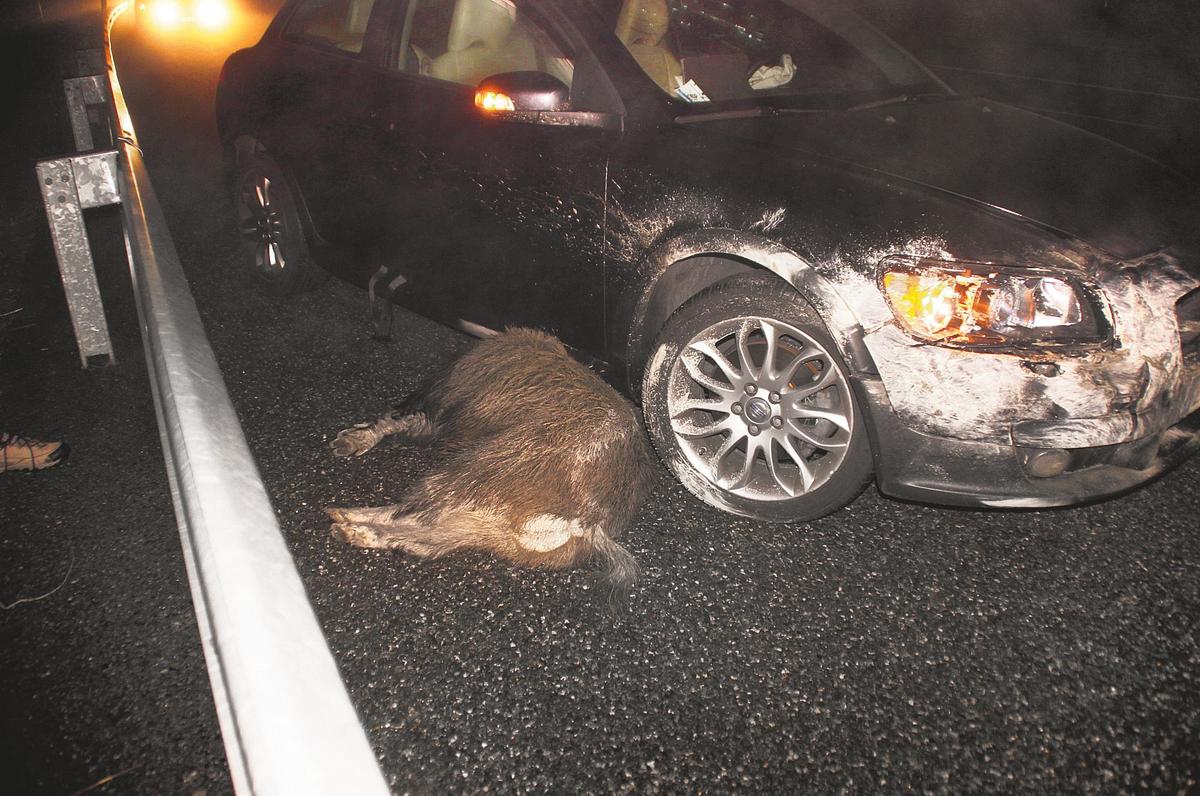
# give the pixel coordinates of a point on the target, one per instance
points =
(686, 264)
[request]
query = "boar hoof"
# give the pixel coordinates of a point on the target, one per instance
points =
(357, 535)
(354, 441)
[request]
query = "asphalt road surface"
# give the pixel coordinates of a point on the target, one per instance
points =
(890, 647)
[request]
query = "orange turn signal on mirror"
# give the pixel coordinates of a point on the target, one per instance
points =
(493, 101)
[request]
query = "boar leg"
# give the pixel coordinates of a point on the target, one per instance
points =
(426, 534)
(358, 439)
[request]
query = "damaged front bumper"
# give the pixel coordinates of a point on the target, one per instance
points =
(911, 465)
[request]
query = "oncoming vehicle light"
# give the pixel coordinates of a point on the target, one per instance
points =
(492, 101)
(977, 304)
(211, 14)
(166, 13)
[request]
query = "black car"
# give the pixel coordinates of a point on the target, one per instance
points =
(809, 259)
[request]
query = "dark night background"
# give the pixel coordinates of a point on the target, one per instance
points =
(889, 647)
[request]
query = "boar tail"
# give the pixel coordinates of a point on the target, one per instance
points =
(620, 568)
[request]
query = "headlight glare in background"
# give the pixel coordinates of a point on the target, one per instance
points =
(166, 13)
(212, 14)
(980, 304)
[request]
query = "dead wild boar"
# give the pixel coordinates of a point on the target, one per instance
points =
(542, 462)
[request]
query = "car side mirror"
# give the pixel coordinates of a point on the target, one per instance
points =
(535, 98)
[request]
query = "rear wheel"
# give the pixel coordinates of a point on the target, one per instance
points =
(749, 404)
(270, 228)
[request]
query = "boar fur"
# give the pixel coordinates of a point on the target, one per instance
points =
(542, 462)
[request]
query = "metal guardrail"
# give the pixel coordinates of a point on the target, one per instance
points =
(287, 722)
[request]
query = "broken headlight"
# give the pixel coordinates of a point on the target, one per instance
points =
(979, 304)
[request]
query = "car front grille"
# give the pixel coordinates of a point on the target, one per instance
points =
(1187, 313)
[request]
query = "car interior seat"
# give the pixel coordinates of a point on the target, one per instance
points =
(641, 26)
(484, 40)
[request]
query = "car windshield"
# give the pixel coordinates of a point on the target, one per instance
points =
(709, 51)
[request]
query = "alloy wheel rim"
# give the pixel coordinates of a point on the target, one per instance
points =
(262, 224)
(760, 409)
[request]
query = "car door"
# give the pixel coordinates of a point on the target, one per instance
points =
(502, 221)
(324, 99)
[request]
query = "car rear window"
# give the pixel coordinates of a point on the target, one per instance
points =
(339, 23)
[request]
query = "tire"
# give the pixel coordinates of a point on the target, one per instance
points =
(270, 228)
(811, 455)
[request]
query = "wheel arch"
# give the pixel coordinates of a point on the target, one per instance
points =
(686, 265)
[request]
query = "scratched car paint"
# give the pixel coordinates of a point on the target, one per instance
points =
(810, 261)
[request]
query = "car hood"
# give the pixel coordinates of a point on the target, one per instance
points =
(1052, 173)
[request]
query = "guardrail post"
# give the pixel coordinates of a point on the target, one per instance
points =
(82, 92)
(68, 186)
(90, 61)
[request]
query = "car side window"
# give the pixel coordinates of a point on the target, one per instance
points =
(339, 23)
(711, 50)
(465, 41)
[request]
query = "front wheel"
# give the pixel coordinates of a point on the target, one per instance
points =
(749, 403)
(270, 228)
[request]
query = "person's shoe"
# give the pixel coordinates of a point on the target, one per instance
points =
(20, 453)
